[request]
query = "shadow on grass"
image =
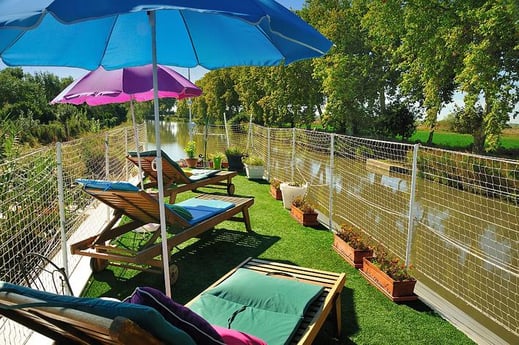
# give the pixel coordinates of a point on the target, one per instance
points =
(200, 263)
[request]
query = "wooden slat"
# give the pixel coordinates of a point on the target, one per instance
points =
(319, 310)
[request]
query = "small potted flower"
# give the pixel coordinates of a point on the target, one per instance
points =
(190, 149)
(303, 211)
(254, 167)
(275, 189)
(234, 156)
(217, 159)
(351, 244)
(389, 275)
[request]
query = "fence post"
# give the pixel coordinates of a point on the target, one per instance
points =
(410, 220)
(293, 158)
(268, 153)
(332, 183)
(61, 206)
(126, 170)
(107, 172)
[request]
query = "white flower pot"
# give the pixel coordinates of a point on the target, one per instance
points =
(290, 192)
(254, 172)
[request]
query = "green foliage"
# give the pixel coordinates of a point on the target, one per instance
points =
(24, 100)
(390, 264)
(190, 149)
(303, 204)
(234, 151)
(253, 160)
(395, 120)
(354, 237)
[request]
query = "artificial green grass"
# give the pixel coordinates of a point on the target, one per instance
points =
(368, 317)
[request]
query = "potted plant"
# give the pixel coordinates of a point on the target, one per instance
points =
(254, 167)
(303, 211)
(389, 275)
(190, 149)
(290, 190)
(275, 189)
(217, 159)
(349, 243)
(234, 156)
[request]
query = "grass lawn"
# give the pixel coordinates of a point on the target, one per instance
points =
(368, 317)
(509, 138)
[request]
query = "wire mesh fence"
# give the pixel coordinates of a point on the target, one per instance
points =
(455, 216)
(30, 219)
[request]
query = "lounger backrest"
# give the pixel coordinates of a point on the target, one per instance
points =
(171, 171)
(132, 202)
(77, 320)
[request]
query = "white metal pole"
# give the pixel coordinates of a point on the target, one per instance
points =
(268, 154)
(163, 232)
(107, 173)
(136, 136)
(61, 205)
(226, 129)
(410, 221)
(293, 158)
(332, 182)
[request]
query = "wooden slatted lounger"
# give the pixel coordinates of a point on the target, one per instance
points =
(328, 303)
(76, 320)
(143, 208)
(175, 179)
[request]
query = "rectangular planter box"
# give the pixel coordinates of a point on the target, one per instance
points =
(397, 291)
(307, 219)
(254, 172)
(352, 256)
(276, 193)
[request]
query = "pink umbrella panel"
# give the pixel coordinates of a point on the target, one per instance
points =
(100, 86)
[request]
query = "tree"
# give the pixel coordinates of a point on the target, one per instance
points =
(355, 75)
(396, 120)
(489, 73)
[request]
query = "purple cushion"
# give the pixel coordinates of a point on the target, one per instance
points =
(177, 314)
(234, 337)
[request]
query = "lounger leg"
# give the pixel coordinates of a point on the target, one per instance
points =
(246, 219)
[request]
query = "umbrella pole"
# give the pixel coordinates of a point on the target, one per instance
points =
(163, 233)
(136, 136)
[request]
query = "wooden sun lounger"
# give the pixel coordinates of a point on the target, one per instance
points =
(65, 321)
(71, 326)
(328, 304)
(175, 179)
(143, 208)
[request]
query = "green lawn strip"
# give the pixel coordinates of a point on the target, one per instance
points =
(460, 141)
(368, 317)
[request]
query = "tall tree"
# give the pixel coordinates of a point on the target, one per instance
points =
(488, 35)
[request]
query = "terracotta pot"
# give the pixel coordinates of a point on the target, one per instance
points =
(307, 219)
(276, 193)
(352, 256)
(397, 291)
(191, 162)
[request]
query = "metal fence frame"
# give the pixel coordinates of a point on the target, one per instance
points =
(421, 202)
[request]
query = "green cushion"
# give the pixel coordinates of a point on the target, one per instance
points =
(146, 317)
(181, 211)
(270, 326)
(274, 306)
